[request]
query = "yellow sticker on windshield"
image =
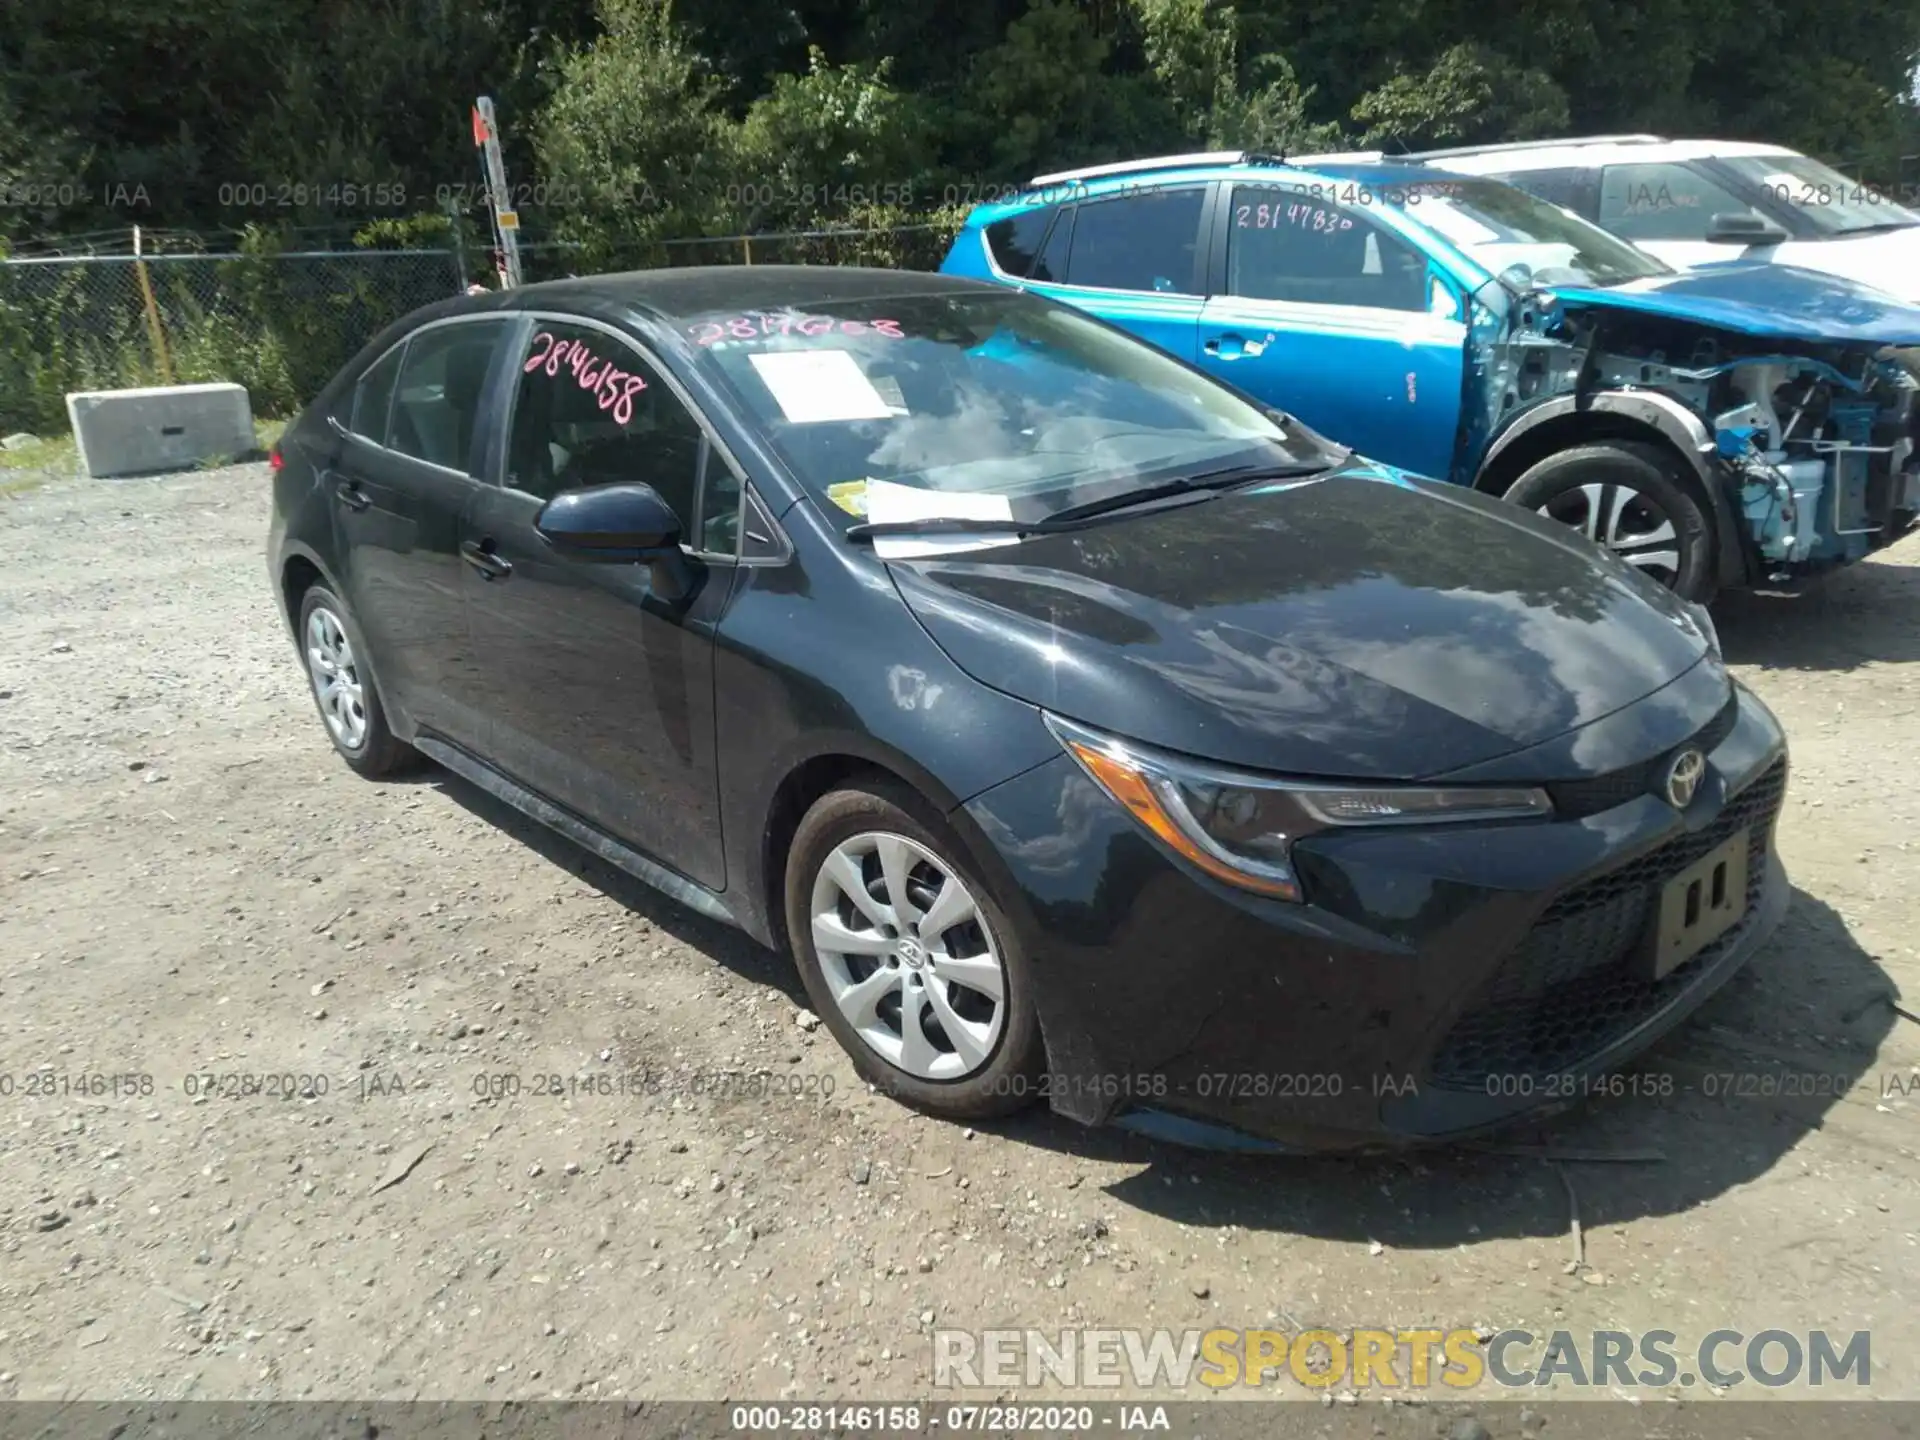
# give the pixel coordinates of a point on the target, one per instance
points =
(850, 496)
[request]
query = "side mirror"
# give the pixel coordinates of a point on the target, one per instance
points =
(1744, 228)
(1441, 302)
(620, 525)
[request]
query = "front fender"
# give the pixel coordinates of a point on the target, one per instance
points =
(1661, 417)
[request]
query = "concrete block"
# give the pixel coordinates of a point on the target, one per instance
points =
(164, 427)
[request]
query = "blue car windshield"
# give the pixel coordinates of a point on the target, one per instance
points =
(1525, 241)
(976, 405)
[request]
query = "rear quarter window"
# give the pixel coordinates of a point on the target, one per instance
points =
(1015, 241)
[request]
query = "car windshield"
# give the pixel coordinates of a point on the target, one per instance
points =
(1829, 202)
(993, 405)
(1524, 240)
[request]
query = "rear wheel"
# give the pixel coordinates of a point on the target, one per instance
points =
(1633, 499)
(906, 957)
(343, 688)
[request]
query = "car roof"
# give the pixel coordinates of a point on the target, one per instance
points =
(1107, 181)
(686, 291)
(1559, 154)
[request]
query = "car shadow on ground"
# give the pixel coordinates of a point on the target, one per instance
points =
(1863, 613)
(1722, 1099)
(732, 948)
(1804, 1020)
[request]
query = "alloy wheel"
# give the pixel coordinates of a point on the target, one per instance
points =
(336, 678)
(908, 956)
(1627, 521)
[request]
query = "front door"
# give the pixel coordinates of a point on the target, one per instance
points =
(1329, 315)
(399, 484)
(602, 690)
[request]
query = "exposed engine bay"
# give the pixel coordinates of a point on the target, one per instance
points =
(1813, 446)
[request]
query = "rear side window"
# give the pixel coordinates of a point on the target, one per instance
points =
(1137, 242)
(1570, 189)
(373, 397)
(1016, 240)
(1662, 202)
(438, 400)
(1051, 267)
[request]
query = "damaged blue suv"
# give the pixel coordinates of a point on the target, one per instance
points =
(1739, 425)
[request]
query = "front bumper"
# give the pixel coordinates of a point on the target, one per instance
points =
(1438, 982)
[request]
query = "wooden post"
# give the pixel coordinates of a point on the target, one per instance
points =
(154, 329)
(746, 246)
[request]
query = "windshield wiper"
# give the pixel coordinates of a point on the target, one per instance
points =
(1073, 517)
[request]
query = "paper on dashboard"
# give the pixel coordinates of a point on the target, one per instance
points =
(888, 502)
(814, 387)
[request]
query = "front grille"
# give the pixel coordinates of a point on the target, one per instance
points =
(1570, 989)
(1577, 799)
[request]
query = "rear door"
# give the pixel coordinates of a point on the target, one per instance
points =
(1326, 313)
(399, 484)
(1135, 260)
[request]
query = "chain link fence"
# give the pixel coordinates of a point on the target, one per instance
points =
(282, 324)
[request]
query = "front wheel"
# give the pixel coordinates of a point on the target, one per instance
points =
(906, 957)
(1632, 499)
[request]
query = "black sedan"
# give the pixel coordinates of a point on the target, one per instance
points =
(1084, 730)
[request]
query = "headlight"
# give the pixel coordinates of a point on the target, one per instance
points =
(1240, 827)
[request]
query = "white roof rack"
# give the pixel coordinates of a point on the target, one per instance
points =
(1158, 162)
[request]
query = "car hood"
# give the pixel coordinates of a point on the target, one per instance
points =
(1889, 259)
(1363, 625)
(1751, 297)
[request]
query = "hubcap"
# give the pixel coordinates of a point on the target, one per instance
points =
(1625, 520)
(908, 957)
(336, 678)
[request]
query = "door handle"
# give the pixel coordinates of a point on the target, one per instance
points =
(1226, 347)
(479, 554)
(351, 495)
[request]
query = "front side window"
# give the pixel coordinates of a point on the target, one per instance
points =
(1137, 242)
(977, 404)
(437, 401)
(1283, 245)
(1522, 239)
(373, 397)
(1663, 202)
(589, 410)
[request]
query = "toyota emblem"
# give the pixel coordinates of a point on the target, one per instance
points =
(1689, 768)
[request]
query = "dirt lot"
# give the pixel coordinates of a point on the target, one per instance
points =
(195, 887)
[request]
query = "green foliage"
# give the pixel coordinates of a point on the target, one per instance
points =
(1471, 94)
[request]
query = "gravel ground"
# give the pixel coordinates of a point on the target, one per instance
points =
(195, 887)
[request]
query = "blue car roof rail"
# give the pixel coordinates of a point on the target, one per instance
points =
(1160, 162)
(1533, 145)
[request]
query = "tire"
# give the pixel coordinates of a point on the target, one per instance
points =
(1633, 498)
(355, 720)
(869, 836)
